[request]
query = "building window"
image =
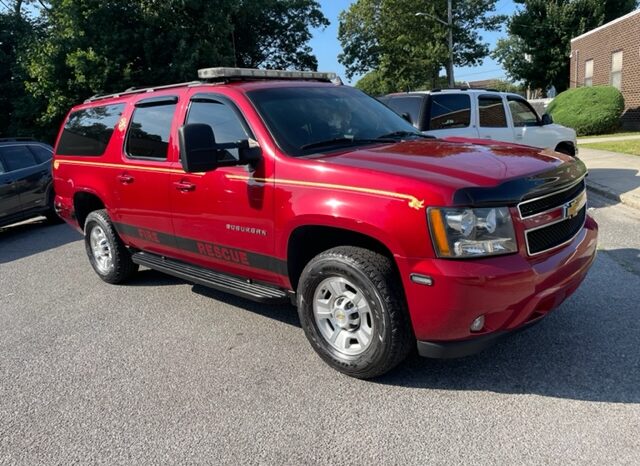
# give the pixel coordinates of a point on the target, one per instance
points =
(588, 73)
(616, 69)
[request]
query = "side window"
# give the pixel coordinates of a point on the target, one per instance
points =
(87, 132)
(492, 112)
(449, 111)
(42, 153)
(148, 135)
(2, 170)
(17, 157)
(225, 122)
(522, 113)
(410, 105)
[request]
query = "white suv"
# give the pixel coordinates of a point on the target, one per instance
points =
(481, 113)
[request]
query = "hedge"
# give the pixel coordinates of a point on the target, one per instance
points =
(588, 110)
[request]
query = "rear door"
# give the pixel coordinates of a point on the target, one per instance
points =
(30, 178)
(141, 211)
(492, 118)
(9, 198)
(449, 114)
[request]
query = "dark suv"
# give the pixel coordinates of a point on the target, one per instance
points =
(26, 185)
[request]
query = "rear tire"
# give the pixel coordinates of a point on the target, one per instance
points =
(107, 253)
(352, 309)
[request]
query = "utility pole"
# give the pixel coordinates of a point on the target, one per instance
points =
(449, 25)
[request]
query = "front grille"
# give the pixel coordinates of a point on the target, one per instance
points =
(528, 208)
(548, 237)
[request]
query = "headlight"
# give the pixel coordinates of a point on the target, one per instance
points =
(464, 232)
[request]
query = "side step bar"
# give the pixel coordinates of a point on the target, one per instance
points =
(245, 288)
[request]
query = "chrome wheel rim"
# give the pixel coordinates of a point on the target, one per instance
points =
(343, 315)
(101, 249)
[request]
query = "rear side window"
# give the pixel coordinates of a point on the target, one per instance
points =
(148, 136)
(17, 157)
(87, 132)
(226, 124)
(449, 111)
(410, 105)
(492, 112)
(42, 153)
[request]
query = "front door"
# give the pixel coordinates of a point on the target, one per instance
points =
(527, 128)
(142, 182)
(223, 219)
(9, 198)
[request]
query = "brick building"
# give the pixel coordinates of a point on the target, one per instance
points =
(610, 54)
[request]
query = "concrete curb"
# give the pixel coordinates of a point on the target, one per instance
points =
(627, 199)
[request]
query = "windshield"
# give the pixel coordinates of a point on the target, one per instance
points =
(308, 120)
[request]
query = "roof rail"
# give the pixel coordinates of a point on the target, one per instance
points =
(17, 139)
(134, 90)
(464, 89)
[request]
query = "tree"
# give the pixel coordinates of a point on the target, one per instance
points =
(101, 46)
(537, 48)
(409, 51)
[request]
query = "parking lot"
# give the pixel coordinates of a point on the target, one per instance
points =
(161, 371)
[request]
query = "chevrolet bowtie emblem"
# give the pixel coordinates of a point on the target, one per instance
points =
(572, 208)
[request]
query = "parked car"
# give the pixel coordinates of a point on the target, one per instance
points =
(26, 185)
(484, 114)
(280, 185)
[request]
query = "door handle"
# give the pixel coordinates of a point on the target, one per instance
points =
(487, 136)
(184, 186)
(125, 179)
(518, 136)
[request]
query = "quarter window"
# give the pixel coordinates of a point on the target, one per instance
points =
(522, 113)
(616, 69)
(42, 154)
(148, 135)
(87, 132)
(225, 122)
(17, 157)
(492, 113)
(449, 111)
(588, 73)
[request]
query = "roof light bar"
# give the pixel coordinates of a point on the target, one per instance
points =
(235, 73)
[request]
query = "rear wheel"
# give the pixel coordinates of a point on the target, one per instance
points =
(352, 310)
(107, 253)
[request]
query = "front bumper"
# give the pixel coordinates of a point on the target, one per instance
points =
(511, 291)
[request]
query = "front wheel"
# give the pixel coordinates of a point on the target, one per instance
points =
(353, 311)
(107, 254)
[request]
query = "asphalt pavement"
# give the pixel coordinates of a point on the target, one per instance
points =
(163, 372)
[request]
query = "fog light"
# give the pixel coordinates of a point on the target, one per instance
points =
(477, 324)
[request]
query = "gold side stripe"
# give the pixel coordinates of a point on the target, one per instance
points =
(414, 202)
(58, 162)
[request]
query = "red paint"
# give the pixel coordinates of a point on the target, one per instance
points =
(508, 289)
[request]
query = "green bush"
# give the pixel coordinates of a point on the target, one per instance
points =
(588, 110)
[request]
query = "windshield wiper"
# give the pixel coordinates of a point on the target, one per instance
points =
(401, 134)
(345, 141)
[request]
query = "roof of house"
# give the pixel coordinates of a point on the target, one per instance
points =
(604, 26)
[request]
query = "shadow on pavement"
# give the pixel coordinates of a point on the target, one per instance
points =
(32, 237)
(617, 180)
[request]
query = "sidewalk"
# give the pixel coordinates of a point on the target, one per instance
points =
(613, 175)
(608, 139)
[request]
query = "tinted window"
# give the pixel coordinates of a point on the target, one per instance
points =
(149, 130)
(42, 153)
(449, 111)
(1, 167)
(222, 118)
(88, 131)
(410, 105)
(492, 112)
(301, 116)
(522, 114)
(17, 157)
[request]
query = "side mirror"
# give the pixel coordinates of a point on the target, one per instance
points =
(546, 119)
(199, 151)
(407, 117)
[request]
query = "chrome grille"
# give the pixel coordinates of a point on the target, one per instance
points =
(550, 201)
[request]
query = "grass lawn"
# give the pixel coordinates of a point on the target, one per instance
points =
(612, 135)
(626, 147)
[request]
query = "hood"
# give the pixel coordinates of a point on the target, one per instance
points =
(481, 172)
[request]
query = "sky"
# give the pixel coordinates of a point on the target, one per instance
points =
(326, 46)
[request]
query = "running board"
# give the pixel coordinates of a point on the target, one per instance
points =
(243, 287)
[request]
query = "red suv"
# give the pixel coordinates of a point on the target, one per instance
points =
(278, 185)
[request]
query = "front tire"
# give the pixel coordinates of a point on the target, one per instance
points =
(107, 253)
(353, 311)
